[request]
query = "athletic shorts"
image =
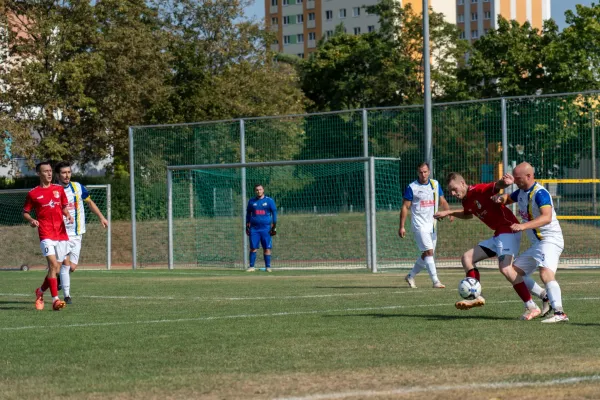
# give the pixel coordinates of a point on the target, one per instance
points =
(74, 248)
(261, 237)
(58, 248)
(426, 240)
(505, 244)
(541, 254)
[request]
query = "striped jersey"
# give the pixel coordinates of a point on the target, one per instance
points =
(530, 202)
(425, 199)
(76, 195)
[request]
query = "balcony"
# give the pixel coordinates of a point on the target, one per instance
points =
(311, 44)
(311, 23)
(274, 28)
(274, 10)
(310, 4)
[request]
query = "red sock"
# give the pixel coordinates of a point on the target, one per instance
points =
(45, 285)
(473, 273)
(522, 291)
(54, 286)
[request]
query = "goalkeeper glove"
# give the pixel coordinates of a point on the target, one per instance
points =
(248, 229)
(273, 231)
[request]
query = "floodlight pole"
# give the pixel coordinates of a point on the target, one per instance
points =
(427, 85)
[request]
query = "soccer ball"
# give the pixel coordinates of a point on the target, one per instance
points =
(469, 288)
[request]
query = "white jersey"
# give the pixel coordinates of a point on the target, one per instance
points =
(76, 194)
(530, 202)
(425, 199)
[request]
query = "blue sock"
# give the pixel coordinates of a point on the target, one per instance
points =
(267, 261)
(252, 259)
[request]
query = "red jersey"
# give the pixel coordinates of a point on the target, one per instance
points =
(478, 202)
(48, 204)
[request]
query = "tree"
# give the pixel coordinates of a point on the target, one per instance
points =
(79, 74)
(382, 68)
(508, 61)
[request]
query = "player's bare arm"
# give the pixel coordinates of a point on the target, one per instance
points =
(452, 213)
(67, 214)
(504, 182)
(445, 206)
(403, 215)
(502, 199)
(94, 208)
(544, 218)
(32, 222)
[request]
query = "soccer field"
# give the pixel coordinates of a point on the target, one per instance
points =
(225, 334)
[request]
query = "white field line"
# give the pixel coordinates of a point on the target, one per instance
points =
(308, 296)
(443, 388)
(266, 315)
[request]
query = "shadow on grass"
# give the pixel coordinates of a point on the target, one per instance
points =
(14, 305)
(432, 317)
(361, 287)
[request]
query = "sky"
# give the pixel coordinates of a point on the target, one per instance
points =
(557, 7)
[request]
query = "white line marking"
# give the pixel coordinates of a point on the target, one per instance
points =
(444, 388)
(279, 314)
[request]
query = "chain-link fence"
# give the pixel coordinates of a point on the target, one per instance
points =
(479, 139)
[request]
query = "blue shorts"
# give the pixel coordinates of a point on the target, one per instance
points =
(260, 237)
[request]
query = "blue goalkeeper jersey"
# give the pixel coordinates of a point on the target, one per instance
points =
(261, 213)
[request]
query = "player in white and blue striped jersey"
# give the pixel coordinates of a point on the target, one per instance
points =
(423, 197)
(539, 221)
(77, 194)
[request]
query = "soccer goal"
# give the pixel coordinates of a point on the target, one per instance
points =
(21, 243)
(326, 211)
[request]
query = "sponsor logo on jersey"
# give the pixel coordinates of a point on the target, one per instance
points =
(51, 204)
(427, 203)
(40, 197)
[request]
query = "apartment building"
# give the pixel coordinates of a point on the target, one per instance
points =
(475, 18)
(300, 24)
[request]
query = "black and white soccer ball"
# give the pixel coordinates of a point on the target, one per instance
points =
(469, 288)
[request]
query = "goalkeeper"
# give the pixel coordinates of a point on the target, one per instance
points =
(261, 222)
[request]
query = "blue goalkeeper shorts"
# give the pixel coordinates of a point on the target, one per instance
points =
(260, 237)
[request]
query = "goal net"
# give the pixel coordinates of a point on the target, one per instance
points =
(22, 243)
(323, 206)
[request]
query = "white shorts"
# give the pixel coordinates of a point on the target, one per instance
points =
(426, 240)
(57, 248)
(541, 254)
(74, 248)
(505, 244)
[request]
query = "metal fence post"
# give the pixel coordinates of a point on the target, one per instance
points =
(373, 215)
(244, 197)
(109, 228)
(367, 187)
(170, 215)
(132, 193)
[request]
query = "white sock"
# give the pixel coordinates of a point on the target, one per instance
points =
(431, 269)
(419, 265)
(554, 295)
(533, 287)
(65, 279)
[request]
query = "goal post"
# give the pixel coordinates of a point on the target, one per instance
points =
(24, 242)
(326, 212)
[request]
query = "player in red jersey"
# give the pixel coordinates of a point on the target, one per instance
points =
(477, 200)
(49, 202)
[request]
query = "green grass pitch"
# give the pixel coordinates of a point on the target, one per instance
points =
(224, 334)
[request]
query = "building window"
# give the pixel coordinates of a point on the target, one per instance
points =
(286, 39)
(286, 20)
(274, 3)
(371, 28)
(460, 2)
(356, 11)
(462, 35)
(474, 34)
(312, 36)
(300, 18)
(472, 1)
(300, 38)
(286, 2)
(299, 1)
(473, 16)
(301, 55)
(328, 15)
(486, 1)
(357, 30)
(329, 34)
(342, 13)
(487, 15)
(460, 18)
(311, 16)
(274, 21)
(485, 31)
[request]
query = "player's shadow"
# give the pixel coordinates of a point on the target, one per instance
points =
(358, 287)
(432, 317)
(13, 305)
